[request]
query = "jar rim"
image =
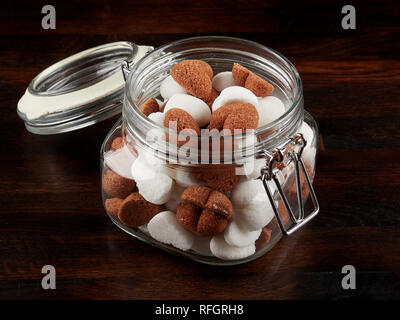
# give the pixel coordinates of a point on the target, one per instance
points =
(294, 113)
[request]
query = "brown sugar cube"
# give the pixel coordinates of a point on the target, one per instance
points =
(218, 117)
(150, 106)
(197, 195)
(222, 183)
(263, 239)
(188, 215)
(243, 119)
(222, 180)
(238, 115)
(251, 81)
(240, 74)
(112, 206)
(117, 186)
(182, 119)
(219, 203)
(210, 224)
(258, 86)
(204, 211)
(206, 68)
(194, 76)
(183, 123)
(135, 211)
(210, 100)
(273, 225)
(117, 143)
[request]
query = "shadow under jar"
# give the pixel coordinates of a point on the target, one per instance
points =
(267, 167)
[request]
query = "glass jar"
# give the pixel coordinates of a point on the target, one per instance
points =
(272, 159)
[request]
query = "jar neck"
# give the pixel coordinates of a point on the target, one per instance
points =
(146, 76)
(266, 138)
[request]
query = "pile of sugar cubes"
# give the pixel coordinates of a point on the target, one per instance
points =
(214, 211)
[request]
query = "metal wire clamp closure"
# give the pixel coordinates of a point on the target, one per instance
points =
(268, 173)
(126, 69)
(126, 64)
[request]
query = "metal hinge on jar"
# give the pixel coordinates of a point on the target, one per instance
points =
(126, 69)
(289, 151)
(126, 64)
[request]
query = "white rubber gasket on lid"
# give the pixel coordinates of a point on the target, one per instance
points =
(35, 106)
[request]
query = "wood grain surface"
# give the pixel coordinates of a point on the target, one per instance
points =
(50, 201)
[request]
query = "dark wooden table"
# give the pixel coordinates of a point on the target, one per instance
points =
(50, 204)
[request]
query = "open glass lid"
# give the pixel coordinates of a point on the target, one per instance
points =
(80, 90)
